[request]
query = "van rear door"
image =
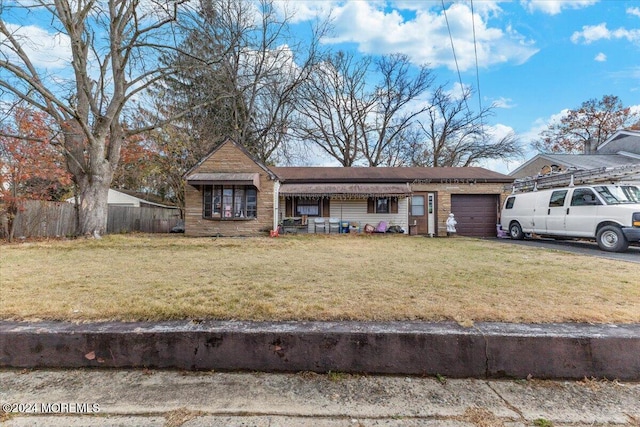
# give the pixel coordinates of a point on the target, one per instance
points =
(555, 213)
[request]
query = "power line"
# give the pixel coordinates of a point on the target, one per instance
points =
(455, 58)
(475, 50)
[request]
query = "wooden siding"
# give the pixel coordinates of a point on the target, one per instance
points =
(230, 159)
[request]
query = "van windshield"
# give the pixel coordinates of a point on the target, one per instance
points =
(619, 194)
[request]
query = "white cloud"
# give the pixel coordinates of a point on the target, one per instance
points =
(505, 103)
(539, 125)
(45, 50)
(634, 11)
(593, 33)
(554, 7)
(425, 37)
(601, 57)
(301, 11)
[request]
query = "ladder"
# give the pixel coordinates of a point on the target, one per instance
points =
(577, 177)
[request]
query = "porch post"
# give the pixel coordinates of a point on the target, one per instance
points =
(276, 203)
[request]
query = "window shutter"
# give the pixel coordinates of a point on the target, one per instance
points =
(394, 204)
(288, 207)
(371, 205)
(326, 211)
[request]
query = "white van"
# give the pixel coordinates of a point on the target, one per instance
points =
(610, 214)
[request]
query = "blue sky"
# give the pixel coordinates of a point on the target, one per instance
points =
(535, 58)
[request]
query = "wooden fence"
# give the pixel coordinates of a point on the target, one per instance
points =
(57, 219)
(124, 219)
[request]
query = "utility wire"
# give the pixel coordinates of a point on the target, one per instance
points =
(475, 50)
(455, 58)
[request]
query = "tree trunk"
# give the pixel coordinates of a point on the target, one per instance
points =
(93, 209)
(92, 174)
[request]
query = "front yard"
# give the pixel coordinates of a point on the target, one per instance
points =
(153, 277)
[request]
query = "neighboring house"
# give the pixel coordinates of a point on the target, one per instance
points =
(120, 198)
(128, 198)
(621, 149)
(623, 142)
(230, 193)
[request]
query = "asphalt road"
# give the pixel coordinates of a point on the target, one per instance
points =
(577, 246)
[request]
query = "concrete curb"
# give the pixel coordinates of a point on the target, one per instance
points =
(487, 350)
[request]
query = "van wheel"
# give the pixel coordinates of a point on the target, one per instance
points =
(515, 231)
(611, 239)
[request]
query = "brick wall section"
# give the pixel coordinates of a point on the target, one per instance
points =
(445, 190)
(229, 159)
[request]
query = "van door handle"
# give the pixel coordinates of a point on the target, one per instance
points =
(549, 211)
(567, 211)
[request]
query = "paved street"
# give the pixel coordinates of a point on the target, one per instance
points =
(175, 398)
(577, 246)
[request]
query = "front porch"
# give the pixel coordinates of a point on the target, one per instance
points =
(342, 208)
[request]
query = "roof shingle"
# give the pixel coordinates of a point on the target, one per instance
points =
(300, 174)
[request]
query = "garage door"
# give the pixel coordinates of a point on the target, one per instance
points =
(477, 214)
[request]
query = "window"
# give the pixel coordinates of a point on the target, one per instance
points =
(309, 207)
(229, 201)
(417, 206)
(381, 205)
(632, 192)
(584, 197)
(510, 202)
(615, 195)
(557, 198)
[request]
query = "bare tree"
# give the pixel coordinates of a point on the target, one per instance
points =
(113, 46)
(351, 120)
(581, 130)
(334, 104)
(454, 136)
(385, 132)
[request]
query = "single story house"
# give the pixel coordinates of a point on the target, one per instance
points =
(230, 193)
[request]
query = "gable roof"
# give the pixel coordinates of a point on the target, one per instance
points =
(581, 161)
(622, 140)
(239, 147)
(315, 174)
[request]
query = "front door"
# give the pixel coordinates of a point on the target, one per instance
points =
(422, 213)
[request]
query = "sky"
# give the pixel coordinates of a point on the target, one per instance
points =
(532, 59)
(535, 58)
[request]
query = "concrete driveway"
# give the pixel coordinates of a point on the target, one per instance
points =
(576, 246)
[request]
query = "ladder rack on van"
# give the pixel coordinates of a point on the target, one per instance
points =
(571, 178)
